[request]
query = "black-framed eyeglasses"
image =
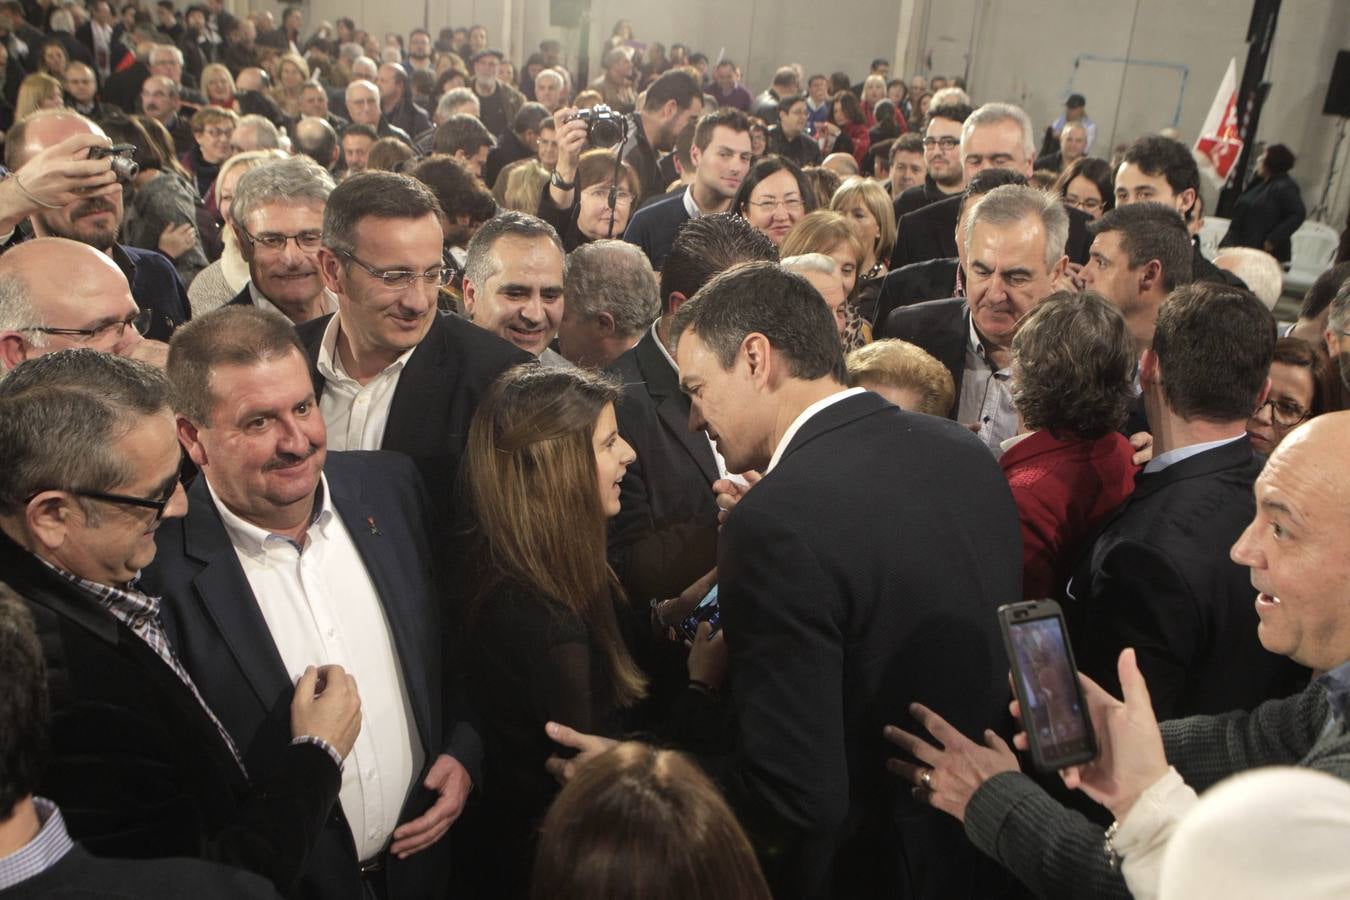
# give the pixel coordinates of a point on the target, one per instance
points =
(158, 505)
(1284, 412)
(308, 241)
(946, 143)
(140, 320)
(397, 278)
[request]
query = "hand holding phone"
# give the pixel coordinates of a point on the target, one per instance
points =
(708, 611)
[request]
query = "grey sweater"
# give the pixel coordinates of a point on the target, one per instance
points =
(1058, 853)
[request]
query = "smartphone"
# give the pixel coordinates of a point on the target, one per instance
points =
(1054, 715)
(706, 611)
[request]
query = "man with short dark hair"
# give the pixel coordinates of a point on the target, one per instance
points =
(721, 156)
(93, 216)
(521, 142)
(613, 300)
(466, 139)
(396, 100)
(389, 371)
(726, 90)
(670, 103)
(514, 282)
(1159, 169)
(784, 85)
(908, 168)
(140, 761)
(305, 556)
(419, 52)
(944, 175)
(357, 139)
(788, 138)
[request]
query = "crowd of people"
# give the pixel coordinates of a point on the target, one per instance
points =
(427, 474)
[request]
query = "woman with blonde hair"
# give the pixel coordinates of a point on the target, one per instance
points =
(868, 209)
(545, 616)
(828, 232)
(218, 85)
(221, 281)
(37, 91)
(292, 73)
(641, 822)
(524, 185)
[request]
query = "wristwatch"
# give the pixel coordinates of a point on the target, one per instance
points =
(556, 180)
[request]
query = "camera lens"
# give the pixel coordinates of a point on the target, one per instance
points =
(605, 133)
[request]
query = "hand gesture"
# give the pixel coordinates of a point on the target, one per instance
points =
(1070, 280)
(175, 240)
(707, 657)
(571, 141)
(954, 768)
(327, 706)
(63, 173)
(729, 492)
(1142, 442)
(451, 781)
(588, 747)
(672, 612)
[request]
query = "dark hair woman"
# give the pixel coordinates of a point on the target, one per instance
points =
(774, 196)
(1271, 209)
(1086, 184)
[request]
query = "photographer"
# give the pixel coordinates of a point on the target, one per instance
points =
(576, 201)
(670, 103)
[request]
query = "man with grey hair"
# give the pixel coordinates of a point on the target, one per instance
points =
(995, 136)
(514, 282)
(315, 138)
(550, 89)
(614, 301)
(277, 217)
(363, 108)
(57, 294)
(459, 101)
(91, 471)
(314, 104)
(167, 60)
(1336, 334)
(161, 100)
(823, 274)
(1013, 239)
(254, 132)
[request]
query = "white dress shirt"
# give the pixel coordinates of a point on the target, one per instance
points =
(805, 415)
(322, 608)
(355, 413)
(330, 301)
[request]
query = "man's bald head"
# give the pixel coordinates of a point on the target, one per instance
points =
(251, 79)
(57, 283)
(41, 130)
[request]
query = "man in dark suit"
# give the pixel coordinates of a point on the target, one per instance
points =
(665, 535)
(942, 157)
(275, 526)
(519, 142)
(40, 860)
(95, 219)
(389, 371)
(1012, 261)
(997, 135)
(844, 599)
(1159, 577)
(141, 765)
(105, 46)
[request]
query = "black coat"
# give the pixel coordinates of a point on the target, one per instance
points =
(933, 279)
(665, 535)
(210, 613)
(155, 286)
(654, 227)
(79, 876)
(137, 767)
(1159, 579)
(844, 599)
(930, 233)
(918, 197)
(942, 327)
(1268, 212)
(508, 150)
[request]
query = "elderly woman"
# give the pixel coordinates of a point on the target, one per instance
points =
(830, 233)
(905, 374)
(1073, 363)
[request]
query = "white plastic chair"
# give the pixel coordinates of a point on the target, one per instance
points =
(1211, 233)
(1311, 250)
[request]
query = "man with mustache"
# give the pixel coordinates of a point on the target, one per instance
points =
(289, 555)
(92, 214)
(278, 219)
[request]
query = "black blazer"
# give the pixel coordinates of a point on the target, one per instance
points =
(79, 876)
(654, 227)
(137, 766)
(212, 618)
(1158, 578)
(441, 386)
(155, 286)
(918, 197)
(665, 535)
(845, 599)
(934, 279)
(942, 327)
(930, 233)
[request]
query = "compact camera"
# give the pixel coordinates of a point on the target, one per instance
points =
(123, 166)
(604, 127)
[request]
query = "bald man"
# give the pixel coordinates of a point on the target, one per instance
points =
(91, 213)
(57, 294)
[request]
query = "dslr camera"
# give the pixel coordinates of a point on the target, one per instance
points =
(604, 127)
(123, 166)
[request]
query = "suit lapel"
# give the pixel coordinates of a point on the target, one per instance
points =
(420, 380)
(672, 406)
(228, 598)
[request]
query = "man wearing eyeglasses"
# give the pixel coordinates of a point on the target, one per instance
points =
(390, 372)
(141, 764)
(278, 219)
(942, 156)
(91, 212)
(57, 294)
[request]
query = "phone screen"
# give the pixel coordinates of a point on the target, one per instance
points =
(1052, 710)
(707, 610)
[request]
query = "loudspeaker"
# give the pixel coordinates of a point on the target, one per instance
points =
(566, 13)
(1338, 92)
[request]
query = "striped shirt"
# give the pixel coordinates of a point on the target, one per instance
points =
(42, 852)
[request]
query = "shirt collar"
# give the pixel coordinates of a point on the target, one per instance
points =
(975, 345)
(330, 301)
(329, 362)
(665, 351)
(1172, 457)
(45, 850)
(806, 414)
(256, 542)
(689, 205)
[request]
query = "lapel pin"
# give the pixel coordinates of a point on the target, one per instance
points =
(370, 520)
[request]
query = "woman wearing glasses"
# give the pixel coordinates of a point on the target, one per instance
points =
(1087, 185)
(577, 201)
(1298, 379)
(774, 197)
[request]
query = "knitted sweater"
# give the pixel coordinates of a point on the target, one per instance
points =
(1058, 853)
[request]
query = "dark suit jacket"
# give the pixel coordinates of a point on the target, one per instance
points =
(508, 150)
(223, 640)
(1158, 578)
(137, 766)
(79, 876)
(1268, 211)
(441, 386)
(665, 535)
(934, 279)
(930, 233)
(918, 197)
(155, 286)
(123, 89)
(116, 49)
(844, 600)
(942, 327)
(654, 227)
